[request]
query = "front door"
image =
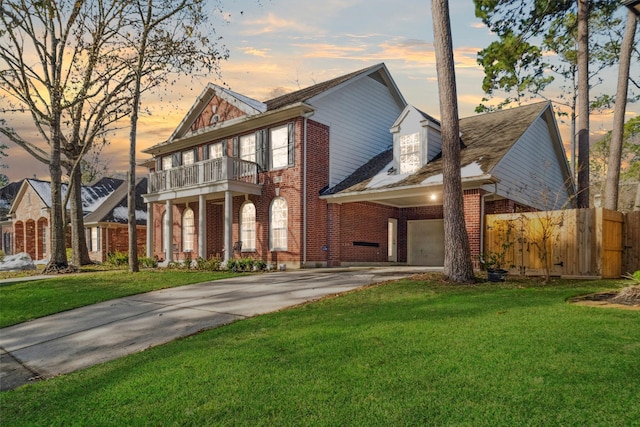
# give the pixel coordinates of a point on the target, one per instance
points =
(392, 240)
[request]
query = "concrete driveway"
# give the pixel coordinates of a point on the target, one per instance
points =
(76, 339)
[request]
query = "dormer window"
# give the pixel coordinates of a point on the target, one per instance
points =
(409, 153)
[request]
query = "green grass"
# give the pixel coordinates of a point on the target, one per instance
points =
(24, 301)
(404, 353)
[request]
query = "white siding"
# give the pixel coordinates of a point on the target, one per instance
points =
(531, 172)
(359, 116)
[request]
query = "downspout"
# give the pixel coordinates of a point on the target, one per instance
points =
(304, 188)
(493, 193)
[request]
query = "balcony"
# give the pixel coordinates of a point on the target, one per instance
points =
(208, 176)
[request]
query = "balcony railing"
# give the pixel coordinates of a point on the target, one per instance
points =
(205, 172)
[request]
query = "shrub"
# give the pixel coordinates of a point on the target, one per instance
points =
(211, 264)
(118, 258)
(1, 255)
(147, 262)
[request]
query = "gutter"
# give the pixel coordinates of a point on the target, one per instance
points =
(304, 188)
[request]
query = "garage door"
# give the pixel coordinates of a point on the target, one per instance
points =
(425, 242)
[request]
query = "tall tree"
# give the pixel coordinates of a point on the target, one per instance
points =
(628, 166)
(583, 103)
(169, 37)
(88, 95)
(34, 45)
(538, 42)
(615, 154)
(457, 253)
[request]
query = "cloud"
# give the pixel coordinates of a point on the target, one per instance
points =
(252, 51)
(272, 23)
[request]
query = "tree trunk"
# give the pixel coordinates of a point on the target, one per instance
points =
(583, 103)
(78, 239)
(58, 260)
(457, 254)
(612, 181)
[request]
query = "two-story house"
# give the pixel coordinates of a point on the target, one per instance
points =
(243, 177)
(342, 172)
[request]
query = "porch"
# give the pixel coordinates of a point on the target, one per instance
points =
(214, 179)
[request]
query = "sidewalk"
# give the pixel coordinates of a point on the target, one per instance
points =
(76, 339)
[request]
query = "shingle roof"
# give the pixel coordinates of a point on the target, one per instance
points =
(305, 94)
(487, 138)
(92, 196)
(114, 208)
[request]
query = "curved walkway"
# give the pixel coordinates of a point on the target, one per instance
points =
(76, 339)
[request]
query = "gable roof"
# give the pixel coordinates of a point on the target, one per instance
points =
(92, 196)
(379, 71)
(486, 138)
(280, 108)
(114, 208)
(7, 194)
(247, 105)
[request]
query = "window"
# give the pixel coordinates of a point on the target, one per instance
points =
(248, 147)
(167, 162)
(409, 153)
(215, 150)
(278, 224)
(279, 147)
(188, 157)
(95, 239)
(248, 226)
(188, 230)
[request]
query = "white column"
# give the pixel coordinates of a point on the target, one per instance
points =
(168, 232)
(150, 230)
(202, 226)
(228, 223)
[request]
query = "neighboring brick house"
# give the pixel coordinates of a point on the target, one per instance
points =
(7, 194)
(316, 177)
(30, 210)
(107, 227)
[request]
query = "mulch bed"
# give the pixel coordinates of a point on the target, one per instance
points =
(627, 298)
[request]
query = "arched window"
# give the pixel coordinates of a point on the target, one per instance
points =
(278, 224)
(248, 227)
(188, 230)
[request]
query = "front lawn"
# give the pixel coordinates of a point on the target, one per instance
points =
(24, 301)
(404, 353)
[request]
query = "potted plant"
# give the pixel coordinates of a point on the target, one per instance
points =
(495, 263)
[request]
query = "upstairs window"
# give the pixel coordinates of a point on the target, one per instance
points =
(409, 153)
(188, 157)
(248, 147)
(167, 162)
(216, 151)
(279, 138)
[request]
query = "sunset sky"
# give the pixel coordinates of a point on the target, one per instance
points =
(279, 46)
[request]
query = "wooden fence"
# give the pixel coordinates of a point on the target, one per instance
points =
(579, 242)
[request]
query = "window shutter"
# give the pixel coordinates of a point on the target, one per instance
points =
(205, 152)
(235, 148)
(195, 155)
(87, 237)
(158, 163)
(225, 152)
(176, 159)
(261, 149)
(291, 144)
